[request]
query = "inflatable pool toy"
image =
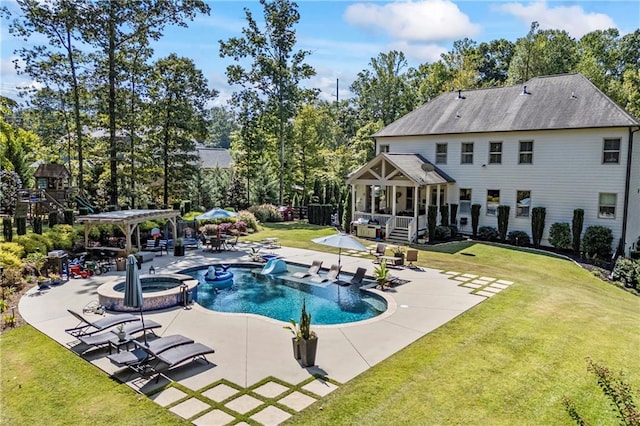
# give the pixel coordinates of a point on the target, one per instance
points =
(218, 274)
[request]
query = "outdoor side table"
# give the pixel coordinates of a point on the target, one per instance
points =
(117, 344)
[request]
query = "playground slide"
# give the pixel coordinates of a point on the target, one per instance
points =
(84, 203)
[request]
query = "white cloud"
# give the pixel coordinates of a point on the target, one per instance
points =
(429, 20)
(573, 19)
(419, 53)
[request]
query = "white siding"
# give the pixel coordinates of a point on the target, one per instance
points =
(567, 173)
(633, 225)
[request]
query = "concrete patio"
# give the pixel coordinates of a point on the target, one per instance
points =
(253, 352)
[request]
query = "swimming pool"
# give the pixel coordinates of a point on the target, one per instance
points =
(280, 296)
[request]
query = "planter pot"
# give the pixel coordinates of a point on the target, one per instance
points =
(308, 350)
(44, 284)
(178, 251)
(296, 347)
(401, 261)
(121, 265)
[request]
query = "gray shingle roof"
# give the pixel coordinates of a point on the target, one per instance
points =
(567, 101)
(210, 158)
(411, 167)
(51, 171)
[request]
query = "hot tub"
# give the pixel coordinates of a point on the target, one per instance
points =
(159, 292)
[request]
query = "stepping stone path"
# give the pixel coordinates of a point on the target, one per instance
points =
(483, 286)
(268, 404)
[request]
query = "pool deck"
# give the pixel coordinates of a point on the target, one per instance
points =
(250, 348)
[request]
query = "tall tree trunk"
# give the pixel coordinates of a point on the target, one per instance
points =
(76, 113)
(165, 154)
(113, 166)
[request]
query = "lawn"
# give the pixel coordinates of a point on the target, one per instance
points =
(508, 361)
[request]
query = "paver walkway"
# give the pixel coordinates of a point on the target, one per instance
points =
(252, 375)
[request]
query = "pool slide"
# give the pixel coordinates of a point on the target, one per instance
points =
(274, 266)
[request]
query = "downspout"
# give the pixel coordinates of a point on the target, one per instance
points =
(627, 186)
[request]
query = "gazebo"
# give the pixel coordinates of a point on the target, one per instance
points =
(127, 221)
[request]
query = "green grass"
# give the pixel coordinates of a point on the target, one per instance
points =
(44, 383)
(507, 361)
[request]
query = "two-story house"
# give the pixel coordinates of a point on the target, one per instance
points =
(556, 142)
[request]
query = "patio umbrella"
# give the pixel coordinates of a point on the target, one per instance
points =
(133, 289)
(342, 241)
(216, 213)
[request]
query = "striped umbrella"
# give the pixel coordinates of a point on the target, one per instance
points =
(133, 289)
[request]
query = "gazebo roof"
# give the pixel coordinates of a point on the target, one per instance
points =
(128, 216)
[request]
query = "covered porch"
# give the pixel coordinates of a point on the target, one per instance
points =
(391, 194)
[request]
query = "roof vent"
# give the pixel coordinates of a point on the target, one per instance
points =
(460, 95)
(573, 95)
(524, 91)
(457, 114)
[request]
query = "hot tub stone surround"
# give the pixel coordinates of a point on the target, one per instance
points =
(113, 300)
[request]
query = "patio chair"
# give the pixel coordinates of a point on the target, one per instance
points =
(356, 279)
(332, 275)
(233, 243)
(87, 327)
(411, 256)
(101, 339)
(313, 270)
(380, 249)
(144, 353)
(177, 355)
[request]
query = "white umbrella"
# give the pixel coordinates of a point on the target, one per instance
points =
(133, 289)
(341, 241)
(216, 213)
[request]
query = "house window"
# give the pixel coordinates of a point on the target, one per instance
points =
(611, 151)
(467, 153)
(607, 205)
(493, 201)
(465, 201)
(384, 148)
(523, 203)
(526, 152)
(495, 152)
(409, 203)
(441, 153)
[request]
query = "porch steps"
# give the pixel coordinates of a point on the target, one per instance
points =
(398, 236)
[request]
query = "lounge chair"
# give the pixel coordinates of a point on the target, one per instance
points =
(131, 328)
(313, 270)
(144, 353)
(380, 249)
(86, 327)
(356, 279)
(179, 354)
(332, 275)
(412, 256)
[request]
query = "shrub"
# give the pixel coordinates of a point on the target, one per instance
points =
(13, 248)
(33, 243)
(560, 235)
(241, 227)
(596, 242)
(475, 218)
(37, 225)
(576, 228)
(266, 213)
(249, 219)
(432, 214)
(442, 233)
(454, 214)
(53, 219)
(8, 259)
(63, 236)
(627, 271)
(7, 229)
(68, 217)
(518, 238)
(503, 221)
(21, 225)
(444, 215)
(537, 224)
(488, 233)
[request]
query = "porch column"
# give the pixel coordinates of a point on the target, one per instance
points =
(438, 199)
(353, 203)
(416, 196)
(373, 199)
(393, 201)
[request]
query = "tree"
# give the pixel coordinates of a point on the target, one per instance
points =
(462, 62)
(56, 62)
(383, 92)
(178, 94)
(493, 59)
(222, 123)
(112, 26)
(275, 73)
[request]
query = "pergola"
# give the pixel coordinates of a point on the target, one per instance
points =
(127, 221)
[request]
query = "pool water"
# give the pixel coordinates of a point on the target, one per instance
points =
(281, 299)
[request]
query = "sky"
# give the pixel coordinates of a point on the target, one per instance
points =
(343, 36)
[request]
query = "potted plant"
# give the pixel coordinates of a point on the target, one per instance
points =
(121, 264)
(398, 251)
(254, 253)
(308, 339)
(178, 249)
(55, 278)
(295, 340)
(43, 281)
(381, 274)
(121, 333)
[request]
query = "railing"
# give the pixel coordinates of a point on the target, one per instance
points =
(389, 226)
(381, 218)
(403, 221)
(412, 233)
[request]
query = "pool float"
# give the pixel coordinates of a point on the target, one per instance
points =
(218, 274)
